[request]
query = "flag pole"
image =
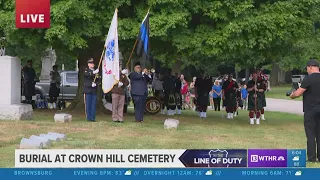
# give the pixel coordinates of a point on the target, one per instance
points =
(99, 63)
(134, 46)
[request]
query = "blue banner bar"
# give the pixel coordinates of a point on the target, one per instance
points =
(158, 173)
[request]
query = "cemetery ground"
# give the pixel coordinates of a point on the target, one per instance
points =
(279, 131)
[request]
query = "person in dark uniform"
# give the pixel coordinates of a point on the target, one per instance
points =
(229, 95)
(310, 88)
(202, 88)
(90, 91)
(255, 89)
(139, 90)
(263, 78)
(169, 99)
(54, 90)
(177, 93)
(29, 78)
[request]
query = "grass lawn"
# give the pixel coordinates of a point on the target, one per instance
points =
(279, 92)
(280, 131)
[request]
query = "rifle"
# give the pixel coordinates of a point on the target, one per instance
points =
(255, 96)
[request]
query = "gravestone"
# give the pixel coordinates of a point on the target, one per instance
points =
(11, 107)
(52, 137)
(62, 117)
(46, 142)
(47, 63)
(171, 124)
(30, 144)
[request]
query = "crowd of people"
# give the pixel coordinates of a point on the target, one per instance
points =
(177, 94)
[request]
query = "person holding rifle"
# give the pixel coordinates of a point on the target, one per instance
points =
(255, 89)
(90, 91)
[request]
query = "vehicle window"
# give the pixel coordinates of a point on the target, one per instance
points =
(72, 77)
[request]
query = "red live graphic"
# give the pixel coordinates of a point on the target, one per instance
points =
(33, 13)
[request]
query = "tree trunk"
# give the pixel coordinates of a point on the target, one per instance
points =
(177, 67)
(247, 74)
(274, 76)
(94, 50)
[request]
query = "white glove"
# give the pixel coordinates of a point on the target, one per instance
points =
(96, 71)
(120, 84)
(124, 71)
(94, 84)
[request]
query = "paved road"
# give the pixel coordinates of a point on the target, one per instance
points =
(283, 105)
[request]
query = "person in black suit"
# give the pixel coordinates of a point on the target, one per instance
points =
(29, 78)
(139, 90)
(90, 91)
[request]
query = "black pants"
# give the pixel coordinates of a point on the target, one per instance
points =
(217, 102)
(312, 129)
(160, 94)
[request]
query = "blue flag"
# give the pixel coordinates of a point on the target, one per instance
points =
(143, 40)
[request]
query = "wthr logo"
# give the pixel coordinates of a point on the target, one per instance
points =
(33, 13)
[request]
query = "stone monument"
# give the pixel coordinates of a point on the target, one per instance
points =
(10, 99)
(47, 63)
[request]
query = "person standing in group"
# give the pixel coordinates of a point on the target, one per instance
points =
(192, 93)
(216, 95)
(310, 88)
(177, 94)
(157, 86)
(54, 90)
(264, 80)
(118, 98)
(202, 88)
(90, 91)
(229, 95)
(184, 91)
(244, 96)
(139, 90)
(255, 89)
(169, 99)
(29, 78)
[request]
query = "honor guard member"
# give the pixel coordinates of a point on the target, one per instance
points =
(229, 95)
(29, 78)
(264, 79)
(310, 88)
(90, 91)
(54, 90)
(169, 99)
(255, 89)
(177, 93)
(202, 88)
(139, 90)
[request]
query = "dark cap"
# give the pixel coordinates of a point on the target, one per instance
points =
(312, 62)
(90, 60)
(137, 64)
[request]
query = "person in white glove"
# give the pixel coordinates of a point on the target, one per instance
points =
(90, 91)
(118, 97)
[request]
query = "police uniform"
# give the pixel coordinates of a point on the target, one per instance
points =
(255, 100)
(29, 76)
(230, 94)
(90, 93)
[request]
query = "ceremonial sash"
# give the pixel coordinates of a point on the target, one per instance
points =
(229, 86)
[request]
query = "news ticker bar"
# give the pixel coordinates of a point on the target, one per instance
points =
(157, 173)
(152, 158)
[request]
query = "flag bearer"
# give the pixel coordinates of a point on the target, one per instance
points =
(90, 91)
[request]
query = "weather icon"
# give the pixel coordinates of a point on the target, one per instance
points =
(296, 158)
(128, 173)
(209, 173)
(298, 173)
